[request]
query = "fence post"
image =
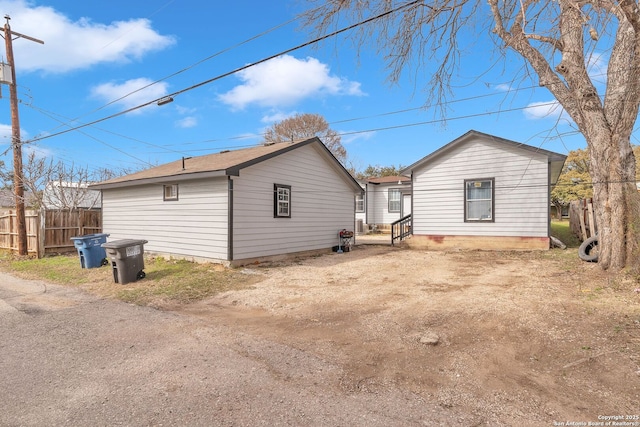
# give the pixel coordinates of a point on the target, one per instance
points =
(592, 222)
(41, 228)
(583, 227)
(11, 230)
(81, 222)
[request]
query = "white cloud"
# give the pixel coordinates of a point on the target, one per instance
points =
(39, 152)
(185, 110)
(597, 65)
(349, 138)
(6, 134)
(545, 110)
(131, 90)
(277, 116)
(503, 87)
(75, 45)
(187, 122)
(285, 81)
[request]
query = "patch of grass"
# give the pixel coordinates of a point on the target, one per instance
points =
(167, 282)
(568, 257)
(562, 231)
(61, 269)
(182, 282)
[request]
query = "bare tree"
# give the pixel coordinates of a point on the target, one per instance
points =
(307, 126)
(556, 40)
(57, 185)
(36, 172)
(67, 188)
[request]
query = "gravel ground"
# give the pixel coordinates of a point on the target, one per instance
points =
(70, 359)
(377, 336)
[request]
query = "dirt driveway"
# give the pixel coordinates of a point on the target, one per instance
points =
(377, 336)
(509, 338)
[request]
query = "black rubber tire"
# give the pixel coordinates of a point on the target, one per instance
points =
(588, 250)
(105, 261)
(141, 275)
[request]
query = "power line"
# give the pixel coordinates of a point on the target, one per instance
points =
(263, 60)
(237, 70)
(51, 115)
(406, 125)
(164, 147)
(183, 70)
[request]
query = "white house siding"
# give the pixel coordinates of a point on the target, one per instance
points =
(322, 203)
(362, 216)
(194, 226)
(521, 192)
(379, 204)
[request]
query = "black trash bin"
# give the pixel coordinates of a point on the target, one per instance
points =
(91, 253)
(127, 259)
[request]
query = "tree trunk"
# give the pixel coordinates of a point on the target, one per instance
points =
(616, 200)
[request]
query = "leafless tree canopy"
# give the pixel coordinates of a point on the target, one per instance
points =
(558, 42)
(57, 185)
(307, 126)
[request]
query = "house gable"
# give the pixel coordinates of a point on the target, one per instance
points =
(556, 160)
(519, 178)
(321, 203)
(221, 207)
(225, 163)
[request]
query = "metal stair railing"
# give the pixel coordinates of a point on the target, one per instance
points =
(401, 228)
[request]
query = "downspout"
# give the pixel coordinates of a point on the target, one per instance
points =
(549, 200)
(366, 203)
(413, 225)
(229, 219)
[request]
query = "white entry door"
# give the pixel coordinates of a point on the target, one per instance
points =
(406, 204)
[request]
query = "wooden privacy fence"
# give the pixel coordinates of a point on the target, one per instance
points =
(49, 231)
(582, 219)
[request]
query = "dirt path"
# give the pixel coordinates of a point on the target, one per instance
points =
(378, 336)
(522, 338)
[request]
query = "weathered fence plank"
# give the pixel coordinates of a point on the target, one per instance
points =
(582, 218)
(49, 231)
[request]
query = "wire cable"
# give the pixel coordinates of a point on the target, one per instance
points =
(229, 73)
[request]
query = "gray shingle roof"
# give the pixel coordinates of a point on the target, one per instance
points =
(218, 164)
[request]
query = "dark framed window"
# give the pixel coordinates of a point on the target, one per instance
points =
(395, 199)
(360, 202)
(170, 192)
(281, 201)
(479, 200)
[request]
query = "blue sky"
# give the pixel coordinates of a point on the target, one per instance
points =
(95, 53)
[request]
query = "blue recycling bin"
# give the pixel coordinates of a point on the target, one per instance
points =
(90, 250)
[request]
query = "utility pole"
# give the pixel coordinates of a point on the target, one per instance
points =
(18, 181)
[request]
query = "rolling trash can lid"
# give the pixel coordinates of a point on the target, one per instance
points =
(119, 244)
(125, 247)
(90, 240)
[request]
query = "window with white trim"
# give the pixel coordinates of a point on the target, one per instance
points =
(170, 192)
(395, 198)
(479, 200)
(281, 201)
(360, 202)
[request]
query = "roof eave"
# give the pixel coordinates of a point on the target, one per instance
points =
(159, 179)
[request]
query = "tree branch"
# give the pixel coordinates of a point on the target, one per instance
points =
(555, 43)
